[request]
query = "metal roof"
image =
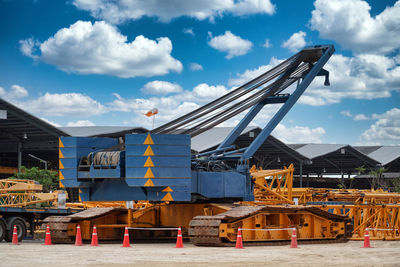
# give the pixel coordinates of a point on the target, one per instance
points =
(316, 150)
(383, 154)
(102, 131)
(213, 137)
(21, 126)
(367, 149)
(22, 131)
(271, 150)
(333, 158)
(272, 153)
(313, 151)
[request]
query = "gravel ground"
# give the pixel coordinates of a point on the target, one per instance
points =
(33, 253)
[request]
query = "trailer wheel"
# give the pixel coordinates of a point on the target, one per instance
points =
(3, 230)
(21, 229)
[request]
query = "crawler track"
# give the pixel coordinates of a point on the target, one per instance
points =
(59, 224)
(204, 230)
(59, 229)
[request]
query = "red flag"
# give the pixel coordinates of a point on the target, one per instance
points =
(152, 112)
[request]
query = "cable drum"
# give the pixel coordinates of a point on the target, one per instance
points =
(106, 159)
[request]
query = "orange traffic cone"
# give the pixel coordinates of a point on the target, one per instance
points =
(366, 239)
(179, 241)
(239, 240)
(293, 244)
(95, 241)
(78, 238)
(126, 244)
(15, 236)
(47, 240)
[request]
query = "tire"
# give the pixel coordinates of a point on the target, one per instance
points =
(3, 230)
(21, 229)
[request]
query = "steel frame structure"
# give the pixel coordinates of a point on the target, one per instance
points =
(266, 89)
(377, 211)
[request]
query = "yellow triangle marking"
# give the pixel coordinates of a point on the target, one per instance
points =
(148, 163)
(167, 197)
(149, 151)
(61, 178)
(167, 189)
(149, 183)
(60, 143)
(148, 140)
(149, 174)
(60, 154)
(60, 165)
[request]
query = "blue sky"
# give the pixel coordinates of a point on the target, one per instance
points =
(101, 62)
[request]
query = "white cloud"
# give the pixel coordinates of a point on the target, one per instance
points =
(18, 91)
(189, 31)
(195, 66)
(231, 44)
(357, 117)
(386, 129)
(346, 113)
(169, 107)
(121, 11)
(360, 77)
(209, 92)
(142, 105)
(248, 75)
(161, 88)
(350, 24)
(298, 134)
(295, 42)
(15, 92)
(246, 7)
(267, 43)
(164, 116)
(361, 117)
(100, 48)
(68, 104)
(80, 123)
(28, 47)
(50, 122)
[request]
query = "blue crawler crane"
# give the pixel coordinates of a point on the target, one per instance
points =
(160, 167)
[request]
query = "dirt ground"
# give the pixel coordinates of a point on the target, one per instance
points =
(32, 253)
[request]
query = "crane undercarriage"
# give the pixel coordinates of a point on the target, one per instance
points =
(206, 224)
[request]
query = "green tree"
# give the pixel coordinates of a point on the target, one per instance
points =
(377, 178)
(47, 178)
(361, 169)
(396, 184)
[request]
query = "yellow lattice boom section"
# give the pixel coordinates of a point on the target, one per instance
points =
(106, 204)
(22, 193)
(377, 210)
(10, 185)
(273, 186)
